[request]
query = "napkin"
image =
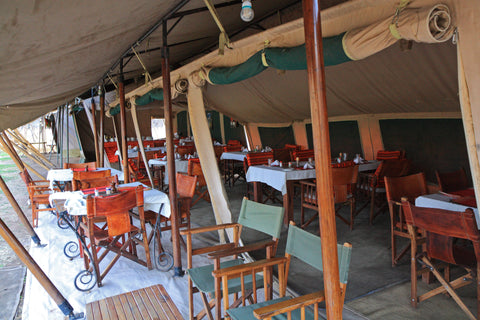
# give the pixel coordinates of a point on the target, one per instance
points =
(177, 155)
(275, 163)
(164, 158)
(358, 160)
(216, 143)
(267, 149)
(308, 166)
(244, 149)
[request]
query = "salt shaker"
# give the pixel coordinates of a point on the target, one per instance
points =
(96, 192)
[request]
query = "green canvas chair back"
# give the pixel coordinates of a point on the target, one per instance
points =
(308, 248)
(261, 217)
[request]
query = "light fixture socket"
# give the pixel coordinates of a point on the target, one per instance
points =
(247, 13)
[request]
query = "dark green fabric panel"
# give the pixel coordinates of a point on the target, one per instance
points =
(429, 143)
(248, 69)
(295, 58)
(115, 110)
(279, 58)
(149, 97)
(276, 137)
(215, 129)
(344, 137)
(236, 133)
(182, 128)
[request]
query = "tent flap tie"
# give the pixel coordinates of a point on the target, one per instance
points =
(393, 25)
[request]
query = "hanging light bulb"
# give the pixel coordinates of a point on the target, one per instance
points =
(247, 13)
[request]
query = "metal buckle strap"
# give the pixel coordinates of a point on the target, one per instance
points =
(393, 25)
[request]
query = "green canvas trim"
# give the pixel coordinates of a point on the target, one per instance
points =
(293, 58)
(149, 97)
(243, 71)
(115, 110)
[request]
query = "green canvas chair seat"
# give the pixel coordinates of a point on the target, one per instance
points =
(265, 220)
(202, 278)
(306, 247)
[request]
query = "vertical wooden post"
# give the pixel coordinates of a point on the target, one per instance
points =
(172, 183)
(321, 139)
(94, 129)
(37, 272)
(101, 128)
(123, 125)
(19, 212)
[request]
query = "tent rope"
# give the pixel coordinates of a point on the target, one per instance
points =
(394, 24)
(148, 77)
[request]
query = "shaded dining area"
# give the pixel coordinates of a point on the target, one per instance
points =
(323, 167)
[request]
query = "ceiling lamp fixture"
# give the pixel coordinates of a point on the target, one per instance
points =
(247, 13)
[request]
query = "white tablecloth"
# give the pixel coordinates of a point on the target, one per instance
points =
(234, 155)
(76, 205)
(277, 177)
(441, 201)
(371, 165)
(180, 166)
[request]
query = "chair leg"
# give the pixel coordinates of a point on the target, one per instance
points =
(372, 205)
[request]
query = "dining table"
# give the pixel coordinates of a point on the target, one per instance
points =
(75, 204)
(133, 152)
(66, 175)
(453, 201)
(234, 155)
(283, 179)
(181, 165)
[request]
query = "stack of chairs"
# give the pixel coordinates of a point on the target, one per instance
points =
(303, 155)
(194, 169)
(256, 159)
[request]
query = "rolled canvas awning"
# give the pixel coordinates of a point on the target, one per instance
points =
(425, 25)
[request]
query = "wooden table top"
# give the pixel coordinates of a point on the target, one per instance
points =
(146, 303)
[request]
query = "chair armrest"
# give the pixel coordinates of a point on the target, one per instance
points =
(289, 305)
(208, 228)
(246, 267)
(238, 250)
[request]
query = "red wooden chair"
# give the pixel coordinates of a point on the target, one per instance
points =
(194, 169)
(232, 170)
(303, 155)
(390, 155)
(441, 227)
(452, 181)
(411, 186)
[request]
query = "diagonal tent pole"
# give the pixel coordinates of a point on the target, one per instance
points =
(172, 183)
(19, 212)
(7, 147)
(141, 148)
(37, 272)
(323, 171)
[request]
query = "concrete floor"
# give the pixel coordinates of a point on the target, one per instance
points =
(376, 290)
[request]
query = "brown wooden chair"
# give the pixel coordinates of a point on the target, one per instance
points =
(452, 181)
(115, 210)
(256, 159)
(139, 160)
(411, 186)
(374, 183)
(185, 190)
(303, 246)
(344, 181)
(263, 219)
(87, 166)
(441, 227)
(185, 150)
(138, 176)
(86, 184)
(194, 169)
(282, 154)
(85, 175)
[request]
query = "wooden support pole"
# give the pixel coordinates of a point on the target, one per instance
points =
(101, 146)
(94, 129)
(29, 146)
(323, 171)
(172, 183)
(28, 155)
(19, 212)
(123, 126)
(11, 152)
(35, 269)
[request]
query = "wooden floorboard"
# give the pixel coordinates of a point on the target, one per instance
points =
(147, 303)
